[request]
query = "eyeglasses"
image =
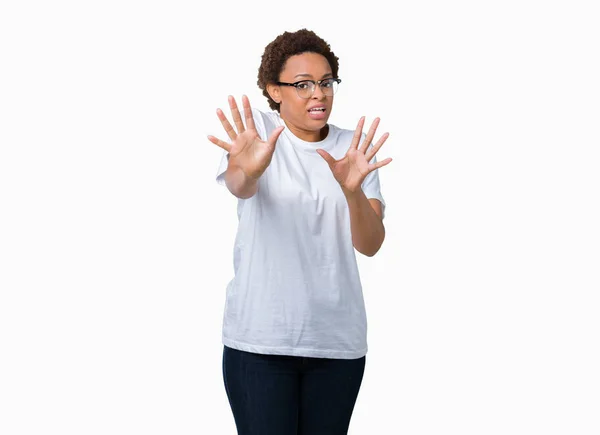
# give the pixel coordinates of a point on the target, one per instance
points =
(306, 88)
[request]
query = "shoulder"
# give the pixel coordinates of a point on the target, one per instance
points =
(340, 135)
(347, 135)
(271, 118)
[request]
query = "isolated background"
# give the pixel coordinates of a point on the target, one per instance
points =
(116, 241)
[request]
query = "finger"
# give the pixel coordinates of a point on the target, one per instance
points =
(237, 118)
(357, 133)
(274, 136)
(226, 125)
(248, 113)
(370, 136)
(381, 163)
(372, 151)
(330, 160)
(226, 146)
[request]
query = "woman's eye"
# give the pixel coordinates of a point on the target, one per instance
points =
(302, 85)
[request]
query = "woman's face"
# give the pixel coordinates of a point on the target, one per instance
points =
(295, 110)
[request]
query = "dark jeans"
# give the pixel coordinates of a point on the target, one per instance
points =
(291, 395)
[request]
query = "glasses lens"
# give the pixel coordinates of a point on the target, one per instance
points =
(329, 87)
(305, 89)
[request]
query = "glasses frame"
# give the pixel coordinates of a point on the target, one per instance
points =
(315, 83)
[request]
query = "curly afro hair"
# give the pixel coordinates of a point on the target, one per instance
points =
(285, 46)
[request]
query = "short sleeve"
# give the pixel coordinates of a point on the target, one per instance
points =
(259, 122)
(223, 168)
(371, 185)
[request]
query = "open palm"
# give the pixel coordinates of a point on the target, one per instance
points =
(247, 151)
(352, 169)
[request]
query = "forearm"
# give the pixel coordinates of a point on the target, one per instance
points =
(238, 183)
(367, 227)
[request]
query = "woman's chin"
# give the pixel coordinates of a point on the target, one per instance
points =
(318, 124)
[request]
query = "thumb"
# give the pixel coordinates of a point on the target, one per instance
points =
(330, 160)
(274, 136)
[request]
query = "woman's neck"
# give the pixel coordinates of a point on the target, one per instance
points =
(308, 135)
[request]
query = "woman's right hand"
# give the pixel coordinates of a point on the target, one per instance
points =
(247, 151)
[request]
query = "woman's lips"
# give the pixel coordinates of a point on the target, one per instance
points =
(317, 114)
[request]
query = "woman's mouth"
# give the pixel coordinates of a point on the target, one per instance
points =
(317, 112)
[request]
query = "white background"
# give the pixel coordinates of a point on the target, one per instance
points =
(116, 241)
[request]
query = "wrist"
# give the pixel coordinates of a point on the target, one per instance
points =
(351, 193)
(239, 169)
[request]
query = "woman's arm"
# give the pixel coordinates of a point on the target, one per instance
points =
(238, 183)
(366, 223)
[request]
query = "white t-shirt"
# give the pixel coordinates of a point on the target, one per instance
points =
(296, 288)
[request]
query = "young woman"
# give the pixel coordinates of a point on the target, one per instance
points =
(294, 327)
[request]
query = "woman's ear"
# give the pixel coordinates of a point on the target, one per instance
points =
(274, 92)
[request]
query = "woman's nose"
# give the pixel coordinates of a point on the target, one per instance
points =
(318, 93)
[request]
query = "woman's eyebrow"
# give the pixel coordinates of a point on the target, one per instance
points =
(310, 75)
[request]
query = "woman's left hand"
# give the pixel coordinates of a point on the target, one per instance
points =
(351, 170)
